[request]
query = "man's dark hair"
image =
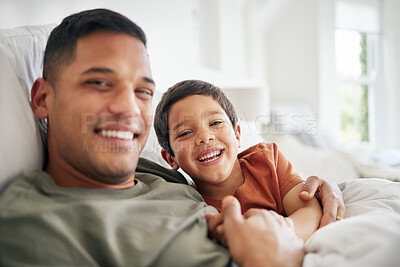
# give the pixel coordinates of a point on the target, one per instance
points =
(61, 45)
(180, 91)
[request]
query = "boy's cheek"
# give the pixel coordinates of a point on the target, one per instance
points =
(181, 147)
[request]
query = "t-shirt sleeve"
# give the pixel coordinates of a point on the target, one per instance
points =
(287, 177)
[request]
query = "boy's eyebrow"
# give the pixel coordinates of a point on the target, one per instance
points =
(208, 114)
(213, 112)
(181, 123)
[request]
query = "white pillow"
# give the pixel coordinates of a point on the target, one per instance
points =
(21, 56)
(152, 149)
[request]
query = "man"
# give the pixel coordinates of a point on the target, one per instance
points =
(89, 207)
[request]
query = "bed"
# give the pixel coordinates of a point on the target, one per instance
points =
(369, 236)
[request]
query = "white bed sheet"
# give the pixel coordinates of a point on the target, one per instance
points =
(369, 236)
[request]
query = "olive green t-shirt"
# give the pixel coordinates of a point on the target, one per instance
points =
(154, 223)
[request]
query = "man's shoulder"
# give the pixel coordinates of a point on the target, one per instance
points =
(24, 181)
(146, 166)
(21, 188)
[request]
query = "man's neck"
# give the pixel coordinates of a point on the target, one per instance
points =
(78, 180)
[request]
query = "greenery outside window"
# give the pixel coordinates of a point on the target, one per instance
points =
(356, 64)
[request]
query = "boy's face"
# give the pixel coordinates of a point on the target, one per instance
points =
(203, 139)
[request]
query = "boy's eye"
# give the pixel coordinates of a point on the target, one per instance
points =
(214, 123)
(184, 133)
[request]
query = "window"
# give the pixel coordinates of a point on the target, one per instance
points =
(357, 52)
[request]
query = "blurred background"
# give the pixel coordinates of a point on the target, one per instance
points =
(327, 71)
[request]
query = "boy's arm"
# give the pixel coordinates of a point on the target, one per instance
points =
(306, 215)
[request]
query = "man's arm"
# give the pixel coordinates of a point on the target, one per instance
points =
(330, 196)
(260, 237)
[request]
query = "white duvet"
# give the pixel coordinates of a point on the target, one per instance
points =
(369, 236)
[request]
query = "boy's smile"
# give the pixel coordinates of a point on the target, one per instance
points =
(204, 142)
(210, 157)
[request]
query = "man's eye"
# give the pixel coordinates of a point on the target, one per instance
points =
(144, 93)
(98, 84)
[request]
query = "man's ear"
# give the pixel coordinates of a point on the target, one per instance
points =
(39, 94)
(169, 159)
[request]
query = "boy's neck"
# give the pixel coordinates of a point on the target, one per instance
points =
(228, 187)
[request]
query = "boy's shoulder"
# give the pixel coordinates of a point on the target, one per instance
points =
(262, 150)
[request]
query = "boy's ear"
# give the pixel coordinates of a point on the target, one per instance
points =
(39, 93)
(238, 134)
(169, 159)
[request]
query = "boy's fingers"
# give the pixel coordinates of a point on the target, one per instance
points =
(209, 216)
(213, 220)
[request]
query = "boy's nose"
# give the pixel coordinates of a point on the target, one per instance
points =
(205, 138)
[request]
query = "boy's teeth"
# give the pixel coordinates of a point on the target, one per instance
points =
(117, 134)
(210, 157)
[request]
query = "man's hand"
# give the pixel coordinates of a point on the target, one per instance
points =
(330, 196)
(260, 237)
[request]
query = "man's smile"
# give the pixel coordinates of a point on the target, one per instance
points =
(117, 134)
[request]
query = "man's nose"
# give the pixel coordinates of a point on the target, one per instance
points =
(205, 137)
(124, 102)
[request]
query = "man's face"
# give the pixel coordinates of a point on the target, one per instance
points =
(99, 113)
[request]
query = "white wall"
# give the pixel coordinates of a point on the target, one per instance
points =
(187, 39)
(176, 41)
(388, 99)
(300, 62)
(292, 55)
(282, 46)
(168, 26)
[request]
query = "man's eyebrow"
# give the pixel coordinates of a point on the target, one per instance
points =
(110, 71)
(98, 70)
(149, 80)
(107, 70)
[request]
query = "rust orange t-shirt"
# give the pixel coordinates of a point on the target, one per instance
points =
(268, 176)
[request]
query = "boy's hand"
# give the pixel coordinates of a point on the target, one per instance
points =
(216, 228)
(330, 196)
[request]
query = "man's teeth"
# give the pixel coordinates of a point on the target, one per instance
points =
(117, 134)
(210, 156)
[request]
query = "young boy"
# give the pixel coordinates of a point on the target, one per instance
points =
(197, 127)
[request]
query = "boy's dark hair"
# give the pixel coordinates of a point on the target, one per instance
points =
(180, 91)
(61, 45)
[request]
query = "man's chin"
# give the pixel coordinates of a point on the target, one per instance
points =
(114, 169)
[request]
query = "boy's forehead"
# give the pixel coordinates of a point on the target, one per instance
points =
(194, 107)
(188, 118)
